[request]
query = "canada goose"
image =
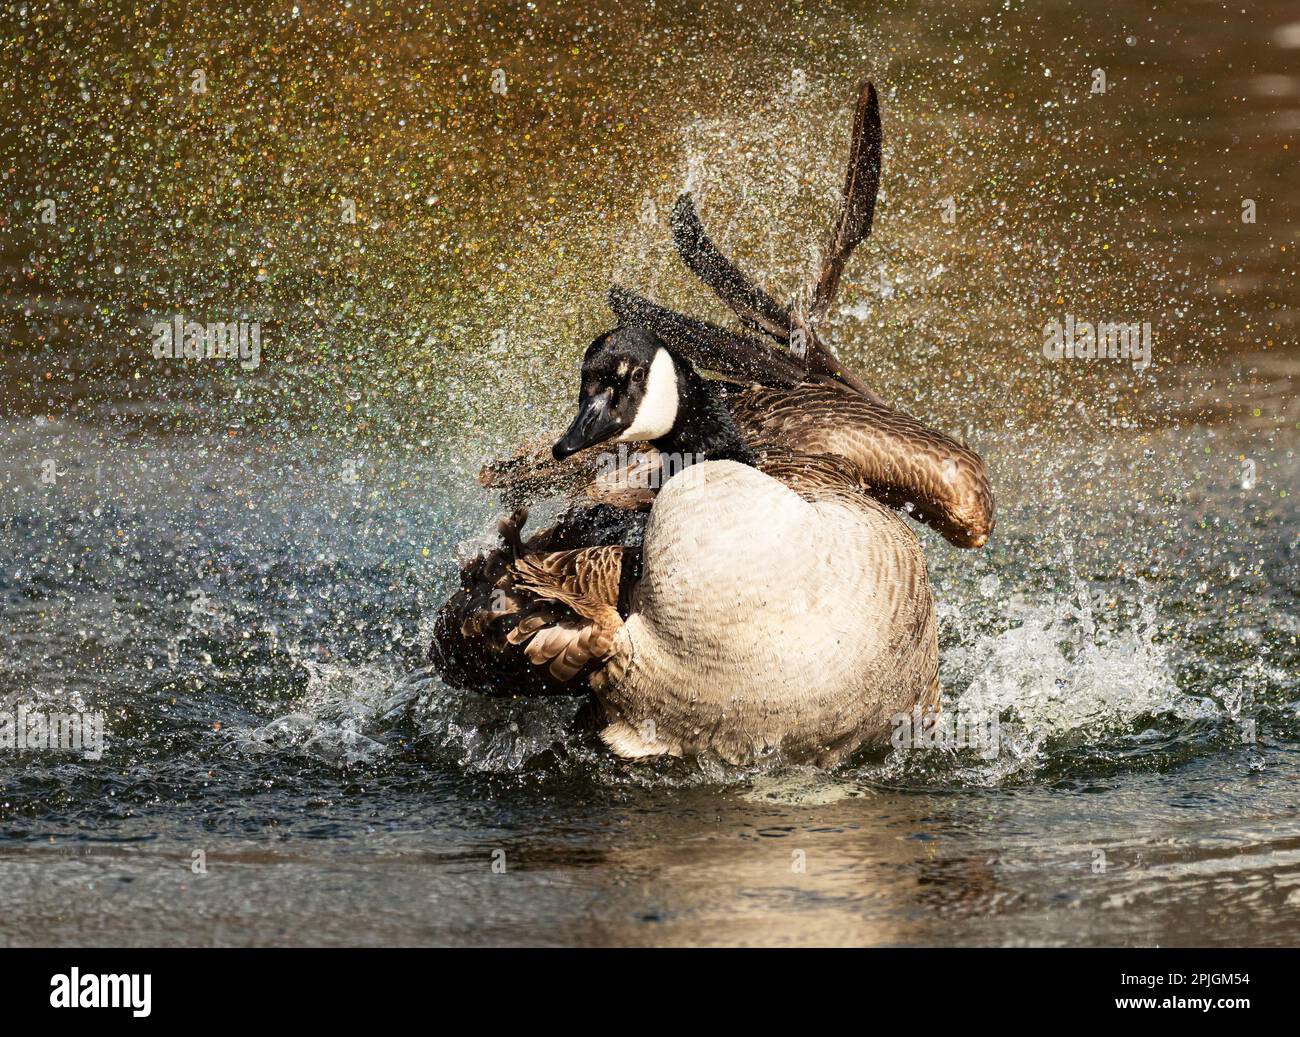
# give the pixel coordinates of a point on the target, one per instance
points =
(757, 593)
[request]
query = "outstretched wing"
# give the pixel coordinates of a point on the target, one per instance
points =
(861, 184)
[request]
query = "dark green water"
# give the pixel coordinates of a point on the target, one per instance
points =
(238, 568)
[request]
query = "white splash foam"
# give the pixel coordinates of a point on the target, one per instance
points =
(341, 700)
(485, 733)
(1061, 668)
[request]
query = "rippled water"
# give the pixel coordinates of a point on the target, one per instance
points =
(239, 568)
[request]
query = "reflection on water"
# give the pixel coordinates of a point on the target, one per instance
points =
(238, 566)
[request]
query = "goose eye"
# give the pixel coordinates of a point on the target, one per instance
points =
(638, 375)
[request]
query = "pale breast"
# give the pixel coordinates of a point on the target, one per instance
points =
(760, 615)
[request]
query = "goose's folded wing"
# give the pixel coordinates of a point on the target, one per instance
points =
(900, 461)
(813, 476)
(472, 645)
(587, 583)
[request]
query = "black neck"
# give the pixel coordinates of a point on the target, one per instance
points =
(704, 429)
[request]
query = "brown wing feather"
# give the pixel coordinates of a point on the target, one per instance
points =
(812, 476)
(861, 183)
(531, 474)
(899, 461)
(479, 630)
(585, 580)
(750, 302)
(587, 583)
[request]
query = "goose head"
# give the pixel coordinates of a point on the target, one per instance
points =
(636, 389)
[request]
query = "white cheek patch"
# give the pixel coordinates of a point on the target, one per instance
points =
(658, 410)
